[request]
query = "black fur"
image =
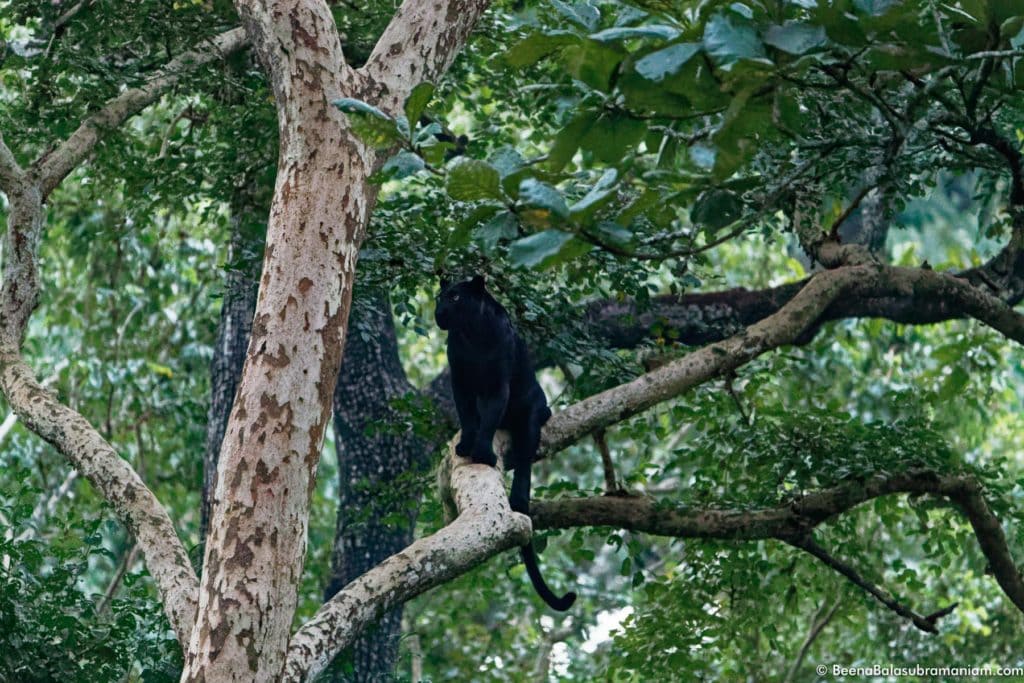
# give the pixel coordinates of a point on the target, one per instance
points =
(495, 388)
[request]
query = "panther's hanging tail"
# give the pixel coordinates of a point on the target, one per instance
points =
(530, 560)
(520, 502)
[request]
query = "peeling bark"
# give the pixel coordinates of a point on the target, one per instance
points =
(321, 206)
(240, 285)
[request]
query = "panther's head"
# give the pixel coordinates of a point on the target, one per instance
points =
(460, 303)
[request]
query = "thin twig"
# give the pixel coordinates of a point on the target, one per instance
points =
(924, 623)
(817, 626)
(611, 484)
(126, 562)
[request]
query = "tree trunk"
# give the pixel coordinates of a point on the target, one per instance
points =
(322, 200)
(241, 281)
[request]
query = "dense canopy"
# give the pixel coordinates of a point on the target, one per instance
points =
(768, 256)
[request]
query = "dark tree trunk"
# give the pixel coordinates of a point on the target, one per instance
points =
(371, 458)
(244, 261)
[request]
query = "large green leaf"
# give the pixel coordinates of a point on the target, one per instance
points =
(536, 46)
(545, 249)
(370, 124)
(666, 62)
(795, 38)
(582, 13)
(599, 195)
(621, 33)
(593, 63)
(541, 203)
(728, 38)
(613, 136)
(402, 165)
(470, 180)
(502, 226)
(416, 102)
(567, 140)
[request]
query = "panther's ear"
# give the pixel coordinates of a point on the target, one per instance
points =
(445, 282)
(477, 282)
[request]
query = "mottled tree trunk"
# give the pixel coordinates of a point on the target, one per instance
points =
(370, 461)
(241, 281)
(257, 540)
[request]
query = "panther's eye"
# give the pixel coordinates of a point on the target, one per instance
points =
(455, 297)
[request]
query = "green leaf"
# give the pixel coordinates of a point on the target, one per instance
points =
(593, 63)
(613, 136)
(612, 234)
(501, 226)
(507, 160)
(542, 199)
(795, 38)
(582, 13)
(471, 180)
(716, 209)
(537, 46)
(728, 38)
(602, 191)
(567, 140)
(620, 33)
(459, 237)
(874, 7)
(402, 165)
(416, 102)
(370, 124)
(667, 62)
(954, 383)
(545, 249)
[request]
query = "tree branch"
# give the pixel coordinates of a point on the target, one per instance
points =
(704, 317)
(51, 168)
(418, 45)
(810, 546)
(791, 520)
(133, 503)
(484, 527)
(672, 379)
(817, 626)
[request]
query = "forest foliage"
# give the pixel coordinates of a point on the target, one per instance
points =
(577, 154)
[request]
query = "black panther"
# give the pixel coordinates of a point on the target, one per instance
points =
(495, 388)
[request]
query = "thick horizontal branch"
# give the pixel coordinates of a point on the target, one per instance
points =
(702, 318)
(783, 327)
(485, 526)
(418, 45)
(50, 169)
(792, 520)
(133, 503)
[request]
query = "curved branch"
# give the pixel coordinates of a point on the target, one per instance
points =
(133, 503)
(418, 45)
(484, 527)
(670, 380)
(920, 621)
(51, 168)
(790, 520)
(705, 317)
